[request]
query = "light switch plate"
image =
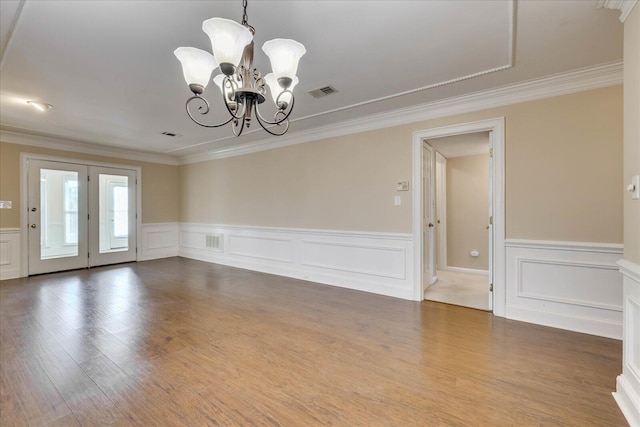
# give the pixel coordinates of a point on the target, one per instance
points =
(5, 204)
(397, 200)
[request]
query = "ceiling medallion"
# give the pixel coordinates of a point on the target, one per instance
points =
(243, 87)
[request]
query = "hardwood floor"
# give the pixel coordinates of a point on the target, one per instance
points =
(182, 342)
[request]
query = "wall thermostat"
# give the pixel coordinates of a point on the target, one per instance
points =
(402, 186)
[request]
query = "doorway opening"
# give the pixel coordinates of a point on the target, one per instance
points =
(425, 164)
(460, 171)
(77, 214)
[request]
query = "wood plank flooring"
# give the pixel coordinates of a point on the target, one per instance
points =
(177, 342)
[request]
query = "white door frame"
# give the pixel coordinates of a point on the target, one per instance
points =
(24, 217)
(496, 126)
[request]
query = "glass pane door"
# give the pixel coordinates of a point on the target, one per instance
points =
(113, 232)
(57, 229)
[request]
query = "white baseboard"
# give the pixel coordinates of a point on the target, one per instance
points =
(159, 240)
(568, 285)
(10, 253)
(627, 393)
(372, 262)
(467, 270)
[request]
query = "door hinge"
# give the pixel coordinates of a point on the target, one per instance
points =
(491, 220)
(491, 152)
(88, 178)
(88, 217)
(490, 287)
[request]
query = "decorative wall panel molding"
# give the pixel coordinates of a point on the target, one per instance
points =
(159, 240)
(627, 393)
(9, 253)
(574, 286)
(372, 262)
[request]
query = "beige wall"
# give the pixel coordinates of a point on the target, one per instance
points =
(159, 183)
(563, 172)
(632, 132)
(468, 211)
(339, 183)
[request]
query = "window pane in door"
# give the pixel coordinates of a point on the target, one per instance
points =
(120, 211)
(114, 212)
(58, 213)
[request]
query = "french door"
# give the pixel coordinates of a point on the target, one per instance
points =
(112, 215)
(79, 216)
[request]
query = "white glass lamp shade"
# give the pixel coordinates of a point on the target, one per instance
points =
(284, 55)
(197, 65)
(228, 39)
(276, 89)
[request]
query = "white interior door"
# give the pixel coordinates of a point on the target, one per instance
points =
(57, 214)
(112, 196)
(428, 238)
(490, 226)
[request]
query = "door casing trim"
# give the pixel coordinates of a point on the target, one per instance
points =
(497, 126)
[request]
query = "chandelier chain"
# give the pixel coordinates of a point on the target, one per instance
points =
(245, 18)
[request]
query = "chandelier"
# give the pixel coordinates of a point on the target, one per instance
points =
(242, 86)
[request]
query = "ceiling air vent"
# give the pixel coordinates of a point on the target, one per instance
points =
(171, 134)
(323, 91)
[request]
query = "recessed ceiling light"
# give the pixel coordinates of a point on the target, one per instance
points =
(40, 105)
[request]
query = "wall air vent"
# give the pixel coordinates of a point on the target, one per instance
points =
(323, 91)
(213, 241)
(171, 134)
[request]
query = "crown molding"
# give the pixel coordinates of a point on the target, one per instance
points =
(511, 45)
(624, 6)
(547, 87)
(555, 85)
(84, 147)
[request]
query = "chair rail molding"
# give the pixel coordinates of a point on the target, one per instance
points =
(627, 392)
(568, 285)
(366, 261)
(159, 240)
(10, 253)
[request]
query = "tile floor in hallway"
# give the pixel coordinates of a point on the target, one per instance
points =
(465, 289)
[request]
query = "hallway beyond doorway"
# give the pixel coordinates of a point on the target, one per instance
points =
(465, 289)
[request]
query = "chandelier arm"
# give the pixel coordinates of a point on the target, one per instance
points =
(279, 112)
(228, 82)
(264, 123)
(206, 111)
(237, 129)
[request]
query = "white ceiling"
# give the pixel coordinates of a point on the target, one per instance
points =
(469, 144)
(108, 66)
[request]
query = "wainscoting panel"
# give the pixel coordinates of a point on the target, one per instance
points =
(372, 262)
(627, 393)
(159, 240)
(9, 253)
(574, 286)
(261, 247)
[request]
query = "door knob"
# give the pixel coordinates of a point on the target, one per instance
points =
(33, 209)
(33, 226)
(430, 225)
